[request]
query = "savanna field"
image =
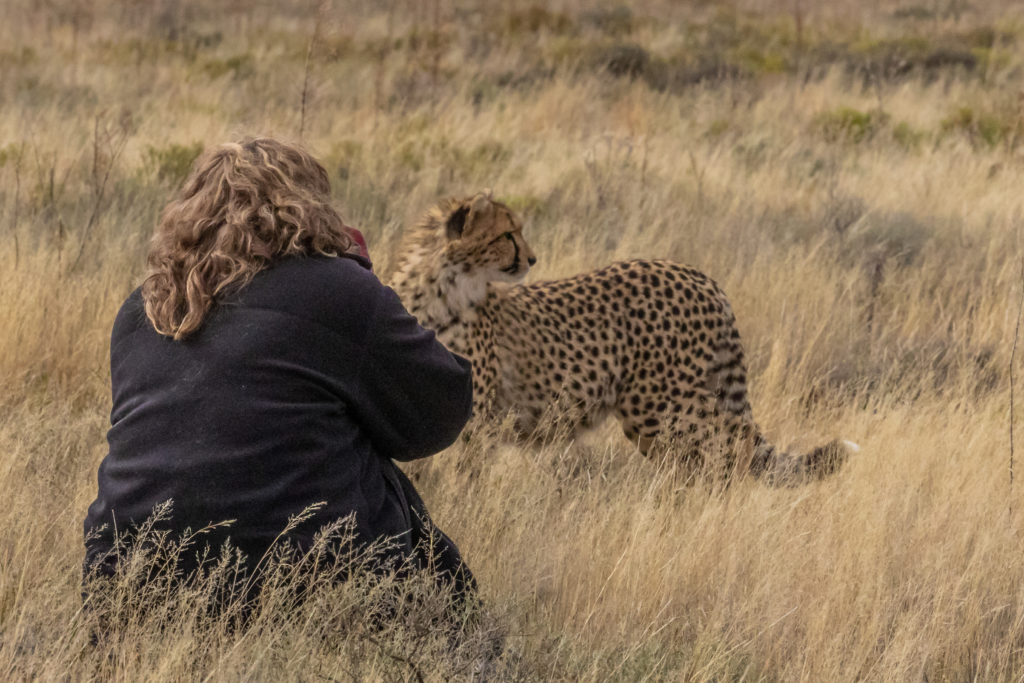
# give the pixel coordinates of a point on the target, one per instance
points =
(851, 173)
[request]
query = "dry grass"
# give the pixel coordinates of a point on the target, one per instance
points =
(854, 185)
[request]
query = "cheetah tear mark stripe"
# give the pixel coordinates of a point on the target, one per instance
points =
(515, 259)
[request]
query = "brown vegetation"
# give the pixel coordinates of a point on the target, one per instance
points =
(851, 177)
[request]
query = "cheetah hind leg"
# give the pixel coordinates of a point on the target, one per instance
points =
(684, 421)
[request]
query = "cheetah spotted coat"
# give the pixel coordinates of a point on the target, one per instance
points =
(652, 342)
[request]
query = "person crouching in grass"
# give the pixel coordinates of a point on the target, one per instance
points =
(263, 374)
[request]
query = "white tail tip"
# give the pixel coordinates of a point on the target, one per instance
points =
(851, 446)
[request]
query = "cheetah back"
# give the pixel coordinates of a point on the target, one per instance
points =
(639, 338)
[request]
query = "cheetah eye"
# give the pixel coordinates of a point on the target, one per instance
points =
(505, 235)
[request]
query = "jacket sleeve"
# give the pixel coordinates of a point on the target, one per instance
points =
(415, 396)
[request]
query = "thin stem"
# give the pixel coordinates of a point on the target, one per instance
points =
(309, 59)
(1013, 355)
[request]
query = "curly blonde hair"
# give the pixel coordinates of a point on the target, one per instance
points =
(243, 206)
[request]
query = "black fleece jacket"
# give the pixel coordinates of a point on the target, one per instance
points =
(300, 388)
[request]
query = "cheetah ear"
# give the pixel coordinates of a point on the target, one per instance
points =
(456, 222)
(481, 202)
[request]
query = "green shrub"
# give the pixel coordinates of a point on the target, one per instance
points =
(764, 61)
(985, 127)
(525, 204)
(239, 66)
(479, 160)
(20, 57)
(566, 51)
(906, 136)
(10, 153)
(343, 156)
(847, 124)
(613, 21)
(914, 12)
(718, 128)
(536, 18)
(621, 59)
(425, 39)
(172, 163)
(410, 156)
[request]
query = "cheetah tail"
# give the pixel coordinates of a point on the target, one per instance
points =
(790, 470)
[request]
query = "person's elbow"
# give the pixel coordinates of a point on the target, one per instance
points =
(465, 399)
(447, 413)
(459, 412)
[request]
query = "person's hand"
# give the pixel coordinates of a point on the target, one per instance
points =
(360, 243)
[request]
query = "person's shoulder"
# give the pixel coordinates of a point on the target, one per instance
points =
(132, 312)
(310, 275)
(318, 287)
(130, 320)
(319, 271)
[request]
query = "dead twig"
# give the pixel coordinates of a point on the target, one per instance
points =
(17, 204)
(698, 174)
(114, 142)
(1013, 355)
(309, 58)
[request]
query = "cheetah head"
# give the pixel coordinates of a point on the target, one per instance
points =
(486, 238)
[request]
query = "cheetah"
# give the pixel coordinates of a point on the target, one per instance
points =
(651, 341)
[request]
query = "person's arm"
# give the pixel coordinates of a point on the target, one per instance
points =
(415, 396)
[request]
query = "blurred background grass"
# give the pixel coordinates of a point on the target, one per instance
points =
(849, 172)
